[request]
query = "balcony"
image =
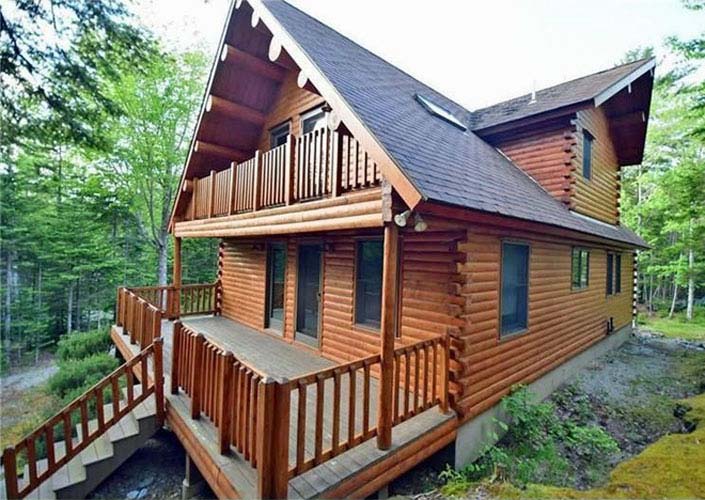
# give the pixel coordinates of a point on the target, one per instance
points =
(320, 164)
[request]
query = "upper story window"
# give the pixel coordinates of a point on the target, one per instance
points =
(580, 271)
(514, 301)
(368, 283)
(614, 273)
(315, 119)
(588, 140)
(278, 135)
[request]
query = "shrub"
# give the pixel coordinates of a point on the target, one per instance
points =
(82, 345)
(77, 375)
(535, 448)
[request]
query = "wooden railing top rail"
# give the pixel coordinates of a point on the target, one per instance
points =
(72, 447)
(311, 377)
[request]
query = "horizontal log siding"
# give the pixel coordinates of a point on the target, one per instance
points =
(243, 278)
(619, 306)
(545, 152)
(430, 303)
(290, 104)
(562, 322)
(598, 197)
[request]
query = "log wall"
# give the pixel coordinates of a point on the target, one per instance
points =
(243, 279)
(545, 152)
(599, 196)
(290, 104)
(562, 322)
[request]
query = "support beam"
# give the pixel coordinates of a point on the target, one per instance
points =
(232, 109)
(280, 56)
(177, 262)
(390, 277)
(231, 154)
(304, 83)
(231, 55)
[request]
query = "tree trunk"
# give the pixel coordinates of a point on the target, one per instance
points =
(163, 255)
(675, 297)
(69, 310)
(691, 284)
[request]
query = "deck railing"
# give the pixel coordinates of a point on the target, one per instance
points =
(254, 414)
(61, 438)
(319, 164)
(172, 302)
(140, 319)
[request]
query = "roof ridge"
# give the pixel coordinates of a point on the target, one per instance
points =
(637, 63)
(376, 56)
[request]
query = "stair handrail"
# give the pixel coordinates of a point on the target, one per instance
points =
(136, 367)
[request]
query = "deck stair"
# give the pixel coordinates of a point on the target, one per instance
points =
(101, 458)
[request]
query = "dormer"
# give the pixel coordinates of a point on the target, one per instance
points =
(574, 138)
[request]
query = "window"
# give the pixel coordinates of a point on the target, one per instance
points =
(515, 288)
(313, 120)
(610, 274)
(580, 268)
(614, 273)
(276, 272)
(278, 135)
(368, 283)
(587, 154)
(440, 112)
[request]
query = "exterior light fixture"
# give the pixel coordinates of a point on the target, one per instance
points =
(402, 218)
(419, 224)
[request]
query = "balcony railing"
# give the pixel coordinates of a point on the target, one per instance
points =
(319, 164)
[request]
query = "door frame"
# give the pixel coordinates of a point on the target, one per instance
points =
(267, 288)
(300, 337)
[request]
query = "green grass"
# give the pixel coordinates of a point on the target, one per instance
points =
(678, 326)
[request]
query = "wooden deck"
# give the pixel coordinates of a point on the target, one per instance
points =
(419, 436)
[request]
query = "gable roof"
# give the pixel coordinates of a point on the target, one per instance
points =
(444, 163)
(594, 89)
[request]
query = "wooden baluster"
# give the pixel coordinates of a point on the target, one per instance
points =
(252, 425)
(9, 461)
(84, 419)
(158, 347)
(320, 389)
(416, 354)
(366, 402)
(299, 158)
(301, 427)
(144, 373)
(397, 382)
(425, 401)
(231, 188)
(445, 366)
(352, 399)
(194, 199)
(235, 401)
(68, 439)
(434, 377)
(100, 410)
(407, 382)
(31, 460)
(118, 321)
(176, 349)
(49, 440)
(337, 159)
(336, 413)
(256, 195)
(129, 376)
(196, 373)
(243, 399)
(225, 417)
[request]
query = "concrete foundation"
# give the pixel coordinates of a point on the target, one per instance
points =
(193, 484)
(483, 431)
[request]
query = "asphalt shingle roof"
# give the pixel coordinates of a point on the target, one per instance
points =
(568, 93)
(446, 164)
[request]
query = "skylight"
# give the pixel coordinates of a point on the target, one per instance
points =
(440, 112)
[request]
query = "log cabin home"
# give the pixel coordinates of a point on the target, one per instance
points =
(391, 264)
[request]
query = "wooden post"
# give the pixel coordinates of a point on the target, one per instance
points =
(158, 379)
(273, 406)
(117, 308)
(289, 166)
(387, 334)
(337, 160)
(257, 186)
(177, 345)
(194, 199)
(196, 374)
(211, 194)
(233, 183)
(174, 298)
(445, 368)
(9, 462)
(224, 430)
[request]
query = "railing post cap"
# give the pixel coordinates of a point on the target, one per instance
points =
(158, 340)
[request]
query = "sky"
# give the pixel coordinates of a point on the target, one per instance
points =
(475, 52)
